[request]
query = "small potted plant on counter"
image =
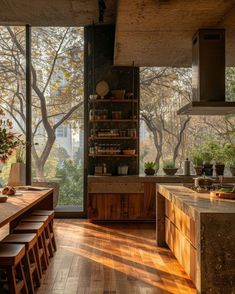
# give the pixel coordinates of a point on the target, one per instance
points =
(229, 154)
(197, 161)
(149, 168)
(219, 161)
(207, 157)
(169, 167)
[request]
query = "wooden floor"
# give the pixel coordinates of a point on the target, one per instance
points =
(111, 259)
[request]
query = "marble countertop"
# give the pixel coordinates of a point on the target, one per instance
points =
(193, 203)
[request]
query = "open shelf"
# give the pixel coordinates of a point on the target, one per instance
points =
(114, 101)
(111, 155)
(112, 138)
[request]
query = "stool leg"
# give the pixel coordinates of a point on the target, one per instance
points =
(36, 272)
(25, 288)
(45, 247)
(48, 236)
(44, 256)
(11, 280)
(37, 254)
(53, 235)
(29, 273)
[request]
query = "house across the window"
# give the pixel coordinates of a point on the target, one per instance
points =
(62, 131)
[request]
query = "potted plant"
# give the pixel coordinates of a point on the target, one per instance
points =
(197, 161)
(229, 154)
(219, 161)
(169, 167)
(207, 157)
(149, 168)
(8, 140)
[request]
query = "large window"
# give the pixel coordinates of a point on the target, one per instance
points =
(57, 100)
(164, 134)
(12, 86)
(57, 104)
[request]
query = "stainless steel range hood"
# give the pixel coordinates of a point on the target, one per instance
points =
(208, 75)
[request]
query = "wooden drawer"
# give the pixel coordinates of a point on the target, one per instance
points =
(116, 188)
(186, 225)
(182, 249)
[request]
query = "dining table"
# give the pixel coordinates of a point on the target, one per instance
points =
(22, 204)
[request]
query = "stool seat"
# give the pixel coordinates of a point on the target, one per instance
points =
(37, 218)
(36, 227)
(28, 239)
(11, 254)
(49, 213)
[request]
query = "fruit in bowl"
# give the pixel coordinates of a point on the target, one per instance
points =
(8, 190)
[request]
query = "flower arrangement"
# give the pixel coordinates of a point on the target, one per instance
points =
(8, 140)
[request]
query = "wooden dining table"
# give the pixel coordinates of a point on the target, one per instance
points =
(18, 206)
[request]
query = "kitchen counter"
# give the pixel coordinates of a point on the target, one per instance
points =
(148, 179)
(200, 231)
(192, 203)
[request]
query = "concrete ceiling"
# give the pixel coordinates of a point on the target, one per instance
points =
(54, 12)
(148, 32)
(159, 32)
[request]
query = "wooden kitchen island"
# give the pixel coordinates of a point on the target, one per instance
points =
(200, 230)
(17, 207)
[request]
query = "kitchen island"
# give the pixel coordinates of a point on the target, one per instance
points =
(132, 197)
(200, 231)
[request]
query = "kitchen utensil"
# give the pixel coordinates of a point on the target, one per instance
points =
(128, 151)
(123, 170)
(186, 167)
(203, 182)
(102, 88)
(116, 115)
(118, 94)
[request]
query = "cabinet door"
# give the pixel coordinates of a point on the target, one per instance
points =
(105, 206)
(150, 201)
(136, 206)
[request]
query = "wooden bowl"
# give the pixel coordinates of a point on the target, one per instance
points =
(223, 195)
(128, 152)
(3, 198)
(118, 94)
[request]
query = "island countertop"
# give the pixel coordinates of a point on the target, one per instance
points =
(192, 203)
(199, 230)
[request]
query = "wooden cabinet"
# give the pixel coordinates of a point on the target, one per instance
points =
(123, 206)
(180, 236)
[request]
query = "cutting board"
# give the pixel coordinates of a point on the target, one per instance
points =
(223, 195)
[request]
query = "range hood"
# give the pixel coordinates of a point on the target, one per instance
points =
(208, 75)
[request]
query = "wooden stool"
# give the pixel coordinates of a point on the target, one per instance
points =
(11, 256)
(30, 260)
(41, 251)
(45, 219)
(51, 215)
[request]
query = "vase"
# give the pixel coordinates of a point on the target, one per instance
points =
(198, 170)
(17, 174)
(208, 169)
